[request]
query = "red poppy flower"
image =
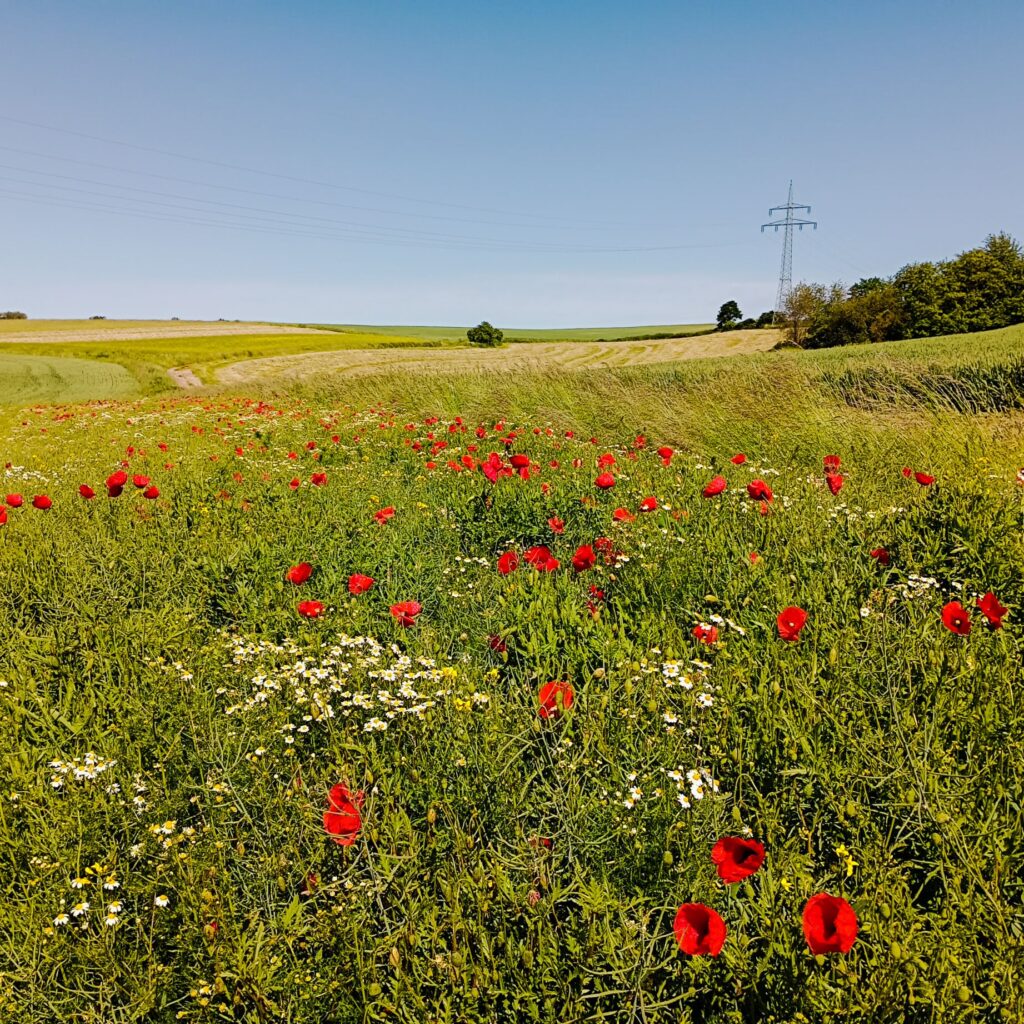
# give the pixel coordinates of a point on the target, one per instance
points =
(584, 558)
(754, 557)
(496, 643)
(117, 480)
(830, 924)
(835, 482)
(699, 930)
(342, 820)
(508, 562)
(736, 858)
(738, 459)
(717, 485)
(15, 500)
(310, 609)
(556, 525)
(623, 515)
(298, 574)
(405, 613)
(540, 557)
(649, 504)
(520, 461)
(603, 461)
(831, 463)
(3, 515)
(956, 618)
(295, 483)
(553, 699)
(359, 584)
(140, 481)
(665, 454)
(318, 479)
(759, 491)
(152, 492)
(42, 502)
(790, 621)
(604, 481)
(86, 492)
(706, 634)
(881, 556)
(924, 479)
(384, 514)
(990, 607)
(907, 472)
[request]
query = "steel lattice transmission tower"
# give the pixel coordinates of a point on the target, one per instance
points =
(787, 224)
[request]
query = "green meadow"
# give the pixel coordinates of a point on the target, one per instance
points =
(238, 791)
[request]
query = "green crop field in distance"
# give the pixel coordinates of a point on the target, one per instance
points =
(26, 379)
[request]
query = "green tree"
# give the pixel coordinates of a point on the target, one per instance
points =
(728, 314)
(484, 334)
(804, 308)
(866, 285)
(869, 315)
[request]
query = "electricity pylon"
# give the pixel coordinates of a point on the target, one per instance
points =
(787, 224)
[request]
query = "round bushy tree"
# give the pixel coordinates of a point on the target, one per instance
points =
(484, 334)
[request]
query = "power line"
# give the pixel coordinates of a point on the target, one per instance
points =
(337, 235)
(247, 210)
(264, 195)
(787, 223)
(265, 173)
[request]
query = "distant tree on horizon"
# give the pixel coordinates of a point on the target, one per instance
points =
(728, 315)
(484, 334)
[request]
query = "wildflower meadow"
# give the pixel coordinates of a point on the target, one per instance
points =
(605, 696)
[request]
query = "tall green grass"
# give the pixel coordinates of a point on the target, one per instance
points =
(499, 874)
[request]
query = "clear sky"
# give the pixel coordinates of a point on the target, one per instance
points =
(531, 163)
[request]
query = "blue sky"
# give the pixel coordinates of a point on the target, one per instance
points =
(534, 164)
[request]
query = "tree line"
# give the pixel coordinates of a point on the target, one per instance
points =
(978, 290)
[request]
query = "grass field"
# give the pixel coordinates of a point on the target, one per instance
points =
(27, 379)
(540, 356)
(146, 360)
(147, 349)
(177, 713)
(134, 330)
(525, 333)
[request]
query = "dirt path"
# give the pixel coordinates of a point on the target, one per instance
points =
(184, 378)
(539, 355)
